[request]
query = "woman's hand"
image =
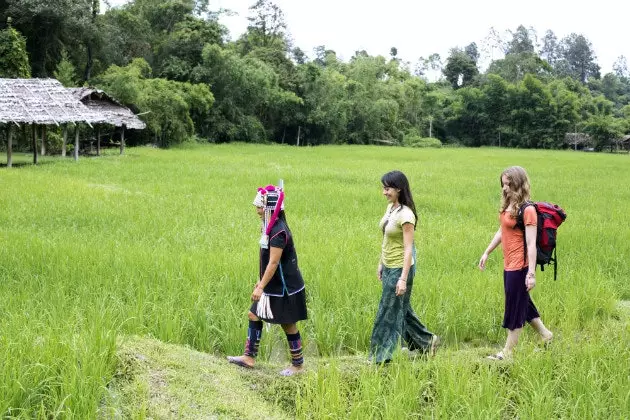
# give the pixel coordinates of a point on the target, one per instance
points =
(257, 293)
(496, 240)
(401, 287)
(482, 261)
(530, 281)
(379, 271)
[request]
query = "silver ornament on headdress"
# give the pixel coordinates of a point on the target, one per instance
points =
(268, 198)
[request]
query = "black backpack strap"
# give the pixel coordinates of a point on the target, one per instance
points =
(520, 224)
(520, 221)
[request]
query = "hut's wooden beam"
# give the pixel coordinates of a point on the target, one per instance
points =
(64, 145)
(98, 140)
(43, 152)
(122, 140)
(76, 142)
(34, 137)
(9, 146)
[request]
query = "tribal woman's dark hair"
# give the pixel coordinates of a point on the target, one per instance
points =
(398, 180)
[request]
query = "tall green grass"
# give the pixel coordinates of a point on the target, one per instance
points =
(164, 244)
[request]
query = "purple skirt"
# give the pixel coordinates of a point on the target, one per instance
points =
(519, 307)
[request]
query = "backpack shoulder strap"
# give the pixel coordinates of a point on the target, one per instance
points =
(520, 223)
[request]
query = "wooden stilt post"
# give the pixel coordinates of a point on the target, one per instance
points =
(76, 143)
(34, 137)
(122, 140)
(43, 153)
(64, 146)
(98, 140)
(10, 146)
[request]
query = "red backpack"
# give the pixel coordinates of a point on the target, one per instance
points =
(550, 217)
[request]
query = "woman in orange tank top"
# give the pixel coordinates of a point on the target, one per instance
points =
(519, 267)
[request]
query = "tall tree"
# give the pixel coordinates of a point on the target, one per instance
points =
(91, 37)
(620, 66)
(266, 23)
(521, 42)
(65, 71)
(175, 107)
(496, 91)
(578, 58)
(393, 52)
(472, 51)
(460, 69)
(468, 118)
(52, 25)
(432, 63)
(126, 35)
(532, 113)
(492, 46)
(181, 50)
(299, 56)
(13, 56)
(515, 66)
(550, 50)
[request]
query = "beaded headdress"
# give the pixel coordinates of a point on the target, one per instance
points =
(271, 199)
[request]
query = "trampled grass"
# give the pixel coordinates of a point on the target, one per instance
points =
(163, 243)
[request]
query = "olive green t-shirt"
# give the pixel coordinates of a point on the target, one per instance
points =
(393, 252)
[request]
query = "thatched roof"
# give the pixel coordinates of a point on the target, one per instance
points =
(577, 138)
(41, 101)
(113, 111)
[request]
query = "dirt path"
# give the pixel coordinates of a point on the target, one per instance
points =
(165, 381)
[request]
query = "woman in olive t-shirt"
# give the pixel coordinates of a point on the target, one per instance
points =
(395, 320)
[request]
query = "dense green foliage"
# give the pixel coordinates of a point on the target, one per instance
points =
(163, 243)
(265, 89)
(13, 55)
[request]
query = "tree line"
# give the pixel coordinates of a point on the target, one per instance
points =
(174, 62)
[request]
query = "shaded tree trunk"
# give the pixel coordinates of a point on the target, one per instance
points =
(89, 43)
(90, 62)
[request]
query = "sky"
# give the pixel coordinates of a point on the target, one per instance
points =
(421, 28)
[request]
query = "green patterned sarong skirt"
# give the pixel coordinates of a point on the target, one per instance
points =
(395, 320)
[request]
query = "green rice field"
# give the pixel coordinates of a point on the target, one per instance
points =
(163, 244)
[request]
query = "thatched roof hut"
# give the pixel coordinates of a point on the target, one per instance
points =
(113, 111)
(577, 140)
(41, 102)
(624, 142)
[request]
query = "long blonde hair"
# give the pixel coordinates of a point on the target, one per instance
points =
(518, 192)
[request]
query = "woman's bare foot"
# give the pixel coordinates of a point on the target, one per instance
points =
(547, 338)
(292, 370)
(243, 361)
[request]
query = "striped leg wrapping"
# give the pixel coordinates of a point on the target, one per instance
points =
(295, 346)
(254, 333)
